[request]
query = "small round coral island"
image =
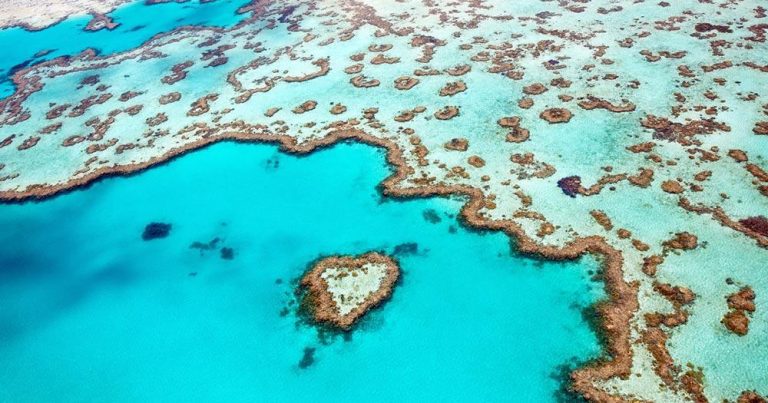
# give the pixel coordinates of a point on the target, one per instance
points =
(339, 290)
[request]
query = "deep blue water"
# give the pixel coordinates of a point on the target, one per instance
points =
(91, 312)
(138, 24)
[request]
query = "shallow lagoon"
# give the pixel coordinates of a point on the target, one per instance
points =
(138, 23)
(91, 312)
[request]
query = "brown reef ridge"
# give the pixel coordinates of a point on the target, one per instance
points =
(318, 300)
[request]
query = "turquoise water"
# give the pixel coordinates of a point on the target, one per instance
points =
(138, 23)
(91, 312)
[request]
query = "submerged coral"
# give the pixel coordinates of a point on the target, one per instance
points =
(156, 230)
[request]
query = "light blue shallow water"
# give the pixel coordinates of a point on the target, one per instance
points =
(91, 312)
(138, 23)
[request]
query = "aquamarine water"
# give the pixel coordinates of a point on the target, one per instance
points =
(91, 312)
(138, 23)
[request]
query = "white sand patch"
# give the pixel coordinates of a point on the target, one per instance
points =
(40, 14)
(350, 287)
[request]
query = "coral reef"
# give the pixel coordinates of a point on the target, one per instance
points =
(341, 289)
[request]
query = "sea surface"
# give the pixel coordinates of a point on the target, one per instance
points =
(92, 312)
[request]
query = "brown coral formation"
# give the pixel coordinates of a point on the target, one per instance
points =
(319, 300)
(651, 264)
(405, 83)
(459, 70)
(720, 216)
(338, 109)
(101, 21)
(592, 102)
(169, 98)
(362, 81)
(642, 179)
(738, 155)
(517, 134)
(447, 113)
(737, 322)
(525, 103)
(602, 219)
(750, 396)
(306, 106)
(642, 147)
(761, 128)
(28, 143)
(757, 172)
(556, 115)
(381, 59)
(476, 161)
(201, 105)
(405, 116)
(159, 118)
(758, 224)
(509, 121)
(535, 89)
(178, 72)
(453, 88)
(683, 133)
(682, 241)
(655, 339)
(457, 144)
(354, 69)
(743, 300)
(323, 68)
(672, 186)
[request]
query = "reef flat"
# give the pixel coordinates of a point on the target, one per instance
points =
(36, 15)
(634, 132)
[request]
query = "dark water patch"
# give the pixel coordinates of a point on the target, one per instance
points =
(116, 276)
(273, 163)
(205, 246)
(308, 358)
(137, 28)
(227, 253)
(156, 230)
(374, 320)
(562, 374)
(431, 216)
(405, 249)
(22, 264)
(56, 303)
(21, 66)
(43, 52)
(591, 316)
